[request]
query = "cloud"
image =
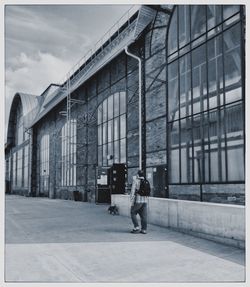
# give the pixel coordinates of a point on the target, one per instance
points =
(42, 42)
(33, 75)
(32, 28)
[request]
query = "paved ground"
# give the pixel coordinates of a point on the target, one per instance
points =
(65, 241)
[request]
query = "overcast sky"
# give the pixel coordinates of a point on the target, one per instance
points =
(42, 42)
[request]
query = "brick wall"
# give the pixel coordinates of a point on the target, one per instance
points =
(119, 75)
(155, 91)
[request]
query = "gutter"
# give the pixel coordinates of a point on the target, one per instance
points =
(140, 103)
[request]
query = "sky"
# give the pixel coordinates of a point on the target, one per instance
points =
(42, 42)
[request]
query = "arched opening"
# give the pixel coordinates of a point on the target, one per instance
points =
(112, 130)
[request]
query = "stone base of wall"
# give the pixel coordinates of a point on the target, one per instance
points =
(222, 223)
(77, 194)
(23, 192)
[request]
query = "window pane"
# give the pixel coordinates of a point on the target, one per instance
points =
(213, 15)
(232, 64)
(172, 36)
(110, 153)
(235, 141)
(229, 10)
(174, 153)
(235, 159)
(186, 145)
(213, 134)
(104, 155)
(234, 120)
(231, 38)
(173, 91)
(110, 107)
(110, 131)
(184, 25)
(122, 103)
(116, 152)
(104, 115)
(215, 71)
(99, 114)
(116, 104)
(123, 126)
(123, 151)
(104, 133)
(199, 79)
(197, 137)
(185, 86)
(214, 163)
(198, 20)
(116, 128)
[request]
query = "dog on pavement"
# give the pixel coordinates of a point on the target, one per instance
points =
(113, 209)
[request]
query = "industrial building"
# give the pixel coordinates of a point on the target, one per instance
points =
(164, 92)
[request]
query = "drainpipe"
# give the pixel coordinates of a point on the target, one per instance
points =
(140, 105)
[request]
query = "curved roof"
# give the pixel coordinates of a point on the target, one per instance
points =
(30, 106)
(36, 107)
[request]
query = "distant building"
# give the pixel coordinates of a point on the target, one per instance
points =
(192, 130)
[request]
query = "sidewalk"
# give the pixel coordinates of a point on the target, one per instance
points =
(65, 241)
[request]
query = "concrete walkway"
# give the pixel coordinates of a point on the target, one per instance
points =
(65, 241)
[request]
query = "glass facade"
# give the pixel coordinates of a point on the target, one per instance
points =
(68, 166)
(112, 130)
(205, 101)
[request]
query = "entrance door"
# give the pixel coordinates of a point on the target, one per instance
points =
(103, 192)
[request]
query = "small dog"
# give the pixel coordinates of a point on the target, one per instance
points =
(113, 209)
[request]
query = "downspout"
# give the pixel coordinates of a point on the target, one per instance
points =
(140, 104)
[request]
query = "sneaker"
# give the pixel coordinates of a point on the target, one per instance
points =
(135, 230)
(143, 231)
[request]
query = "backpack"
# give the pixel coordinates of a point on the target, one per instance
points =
(144, 189)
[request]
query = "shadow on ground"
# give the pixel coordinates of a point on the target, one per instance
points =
(42, 220)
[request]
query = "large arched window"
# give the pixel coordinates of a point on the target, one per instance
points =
(68, 167)
(44, 164)
(112, 130)
(205, 95)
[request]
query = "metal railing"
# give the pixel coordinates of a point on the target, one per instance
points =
(114, 31)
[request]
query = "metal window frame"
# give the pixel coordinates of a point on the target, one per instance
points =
(119, 123)
(220, 107)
